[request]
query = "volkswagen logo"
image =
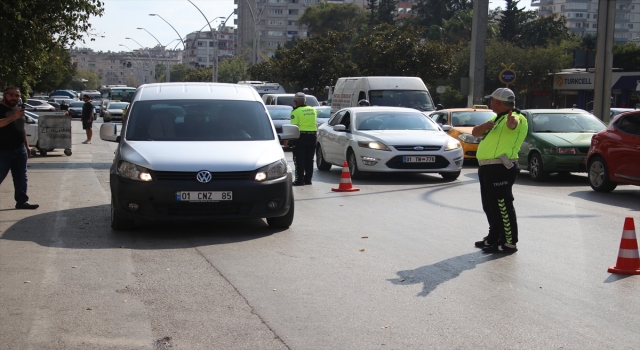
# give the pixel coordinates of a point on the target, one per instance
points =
(418, 148)
(203, 176)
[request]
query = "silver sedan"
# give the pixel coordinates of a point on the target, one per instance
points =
(387, 139)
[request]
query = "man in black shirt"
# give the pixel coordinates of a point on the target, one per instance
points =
(14, 148)
(87, 117)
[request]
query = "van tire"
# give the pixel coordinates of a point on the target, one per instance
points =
(283, 221)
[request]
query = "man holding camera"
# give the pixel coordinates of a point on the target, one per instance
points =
(14, 147)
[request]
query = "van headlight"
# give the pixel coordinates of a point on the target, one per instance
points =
(272, 171)
(133, 172)
(452, 144)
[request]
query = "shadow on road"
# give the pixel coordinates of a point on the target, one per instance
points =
(89, 228)
(623, 196)
(431, 276)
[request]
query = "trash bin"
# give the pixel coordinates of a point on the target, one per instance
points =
(54, 132)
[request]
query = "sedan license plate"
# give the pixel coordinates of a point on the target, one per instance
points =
(419, 159)
(203, 196)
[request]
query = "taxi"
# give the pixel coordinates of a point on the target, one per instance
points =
(462, 121)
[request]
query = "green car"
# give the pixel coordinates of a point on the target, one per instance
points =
(558, 141)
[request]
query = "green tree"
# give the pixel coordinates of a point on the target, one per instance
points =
(233, 70)
(161, 72)
(316, 62)
(266, 70)
(627, 56)
(56, 73)
(544, 31)
(327, 17)
(203, 74)
(387, 11)
(85, 80)
(179, 72)
(512, 20)
(31, 29)
(392, 51)
(435, 12)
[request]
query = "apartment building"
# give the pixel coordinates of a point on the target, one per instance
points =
(200, 47)
(263, 25)
(582, 16)
(131, 68)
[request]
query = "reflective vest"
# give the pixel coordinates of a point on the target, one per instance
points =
(305, 118)
(502, 140)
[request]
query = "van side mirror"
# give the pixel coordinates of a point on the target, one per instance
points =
(109, 132)
(289, 132)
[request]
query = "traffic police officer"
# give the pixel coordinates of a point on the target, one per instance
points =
(305, 147)
(498, 169)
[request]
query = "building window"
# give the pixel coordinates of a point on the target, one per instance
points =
(202, 52)
(291, 23)
(595, 16)
(293, 12)
(276, 11)
(274, 33)
(586, 25)
(276, 22)
(595, 26)
(272, 44)
(293, 1)
(630, 25)
(201, 43)
(276, 1)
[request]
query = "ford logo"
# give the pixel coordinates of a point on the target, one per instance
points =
(418, 148)
(203, 176)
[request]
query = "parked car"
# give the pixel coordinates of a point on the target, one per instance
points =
(387, 139)
(96, 111)
(103, 105)
(75, 109)
(37, 102)
(287, 99)
(462, 121)
(60, 99)
(114, 111)
(55, 105)
(65, 93)
(557, 141)
(614, 156)
(324, 113)
(280, 115)
(31, 128)
(615, 111)
(218, 158)
(41, 108)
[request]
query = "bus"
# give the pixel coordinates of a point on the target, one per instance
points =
(94, 95)
(121, 93)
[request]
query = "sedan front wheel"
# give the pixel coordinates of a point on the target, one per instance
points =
(353, 165)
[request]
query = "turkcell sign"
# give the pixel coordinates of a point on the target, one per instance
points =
(574, 81)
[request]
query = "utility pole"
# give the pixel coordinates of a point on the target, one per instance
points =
(604, 59)
(478, 51)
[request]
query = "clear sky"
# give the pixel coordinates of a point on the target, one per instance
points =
(122, 17)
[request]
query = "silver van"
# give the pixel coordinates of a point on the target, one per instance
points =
(199, 151)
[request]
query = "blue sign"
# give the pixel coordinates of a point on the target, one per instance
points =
(507, 76)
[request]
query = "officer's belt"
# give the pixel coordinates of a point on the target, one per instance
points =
(493, 161)
(307, 132)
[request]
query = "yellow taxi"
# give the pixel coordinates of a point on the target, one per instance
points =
(462, 121)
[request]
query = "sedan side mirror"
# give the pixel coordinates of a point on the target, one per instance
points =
(445, 128)
(339, 127)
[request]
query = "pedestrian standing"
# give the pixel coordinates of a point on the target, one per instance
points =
(14, 147)
(305, 147)
(498, 169)
(87, 117)
(64, 106)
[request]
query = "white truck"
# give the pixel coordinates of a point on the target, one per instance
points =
(382, 91)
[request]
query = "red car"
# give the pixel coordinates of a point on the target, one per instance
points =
(614, 156)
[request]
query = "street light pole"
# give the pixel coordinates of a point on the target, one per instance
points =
(216, 42)
(213, 66)
(162, 48)
(174, 29)
(148, 54)
(255, 44)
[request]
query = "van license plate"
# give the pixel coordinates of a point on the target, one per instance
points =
(415, 159)
(203, 196)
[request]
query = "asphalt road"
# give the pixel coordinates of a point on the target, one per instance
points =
(392, 266)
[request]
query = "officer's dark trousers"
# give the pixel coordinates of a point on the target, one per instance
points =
(305, 148)
(496, 182)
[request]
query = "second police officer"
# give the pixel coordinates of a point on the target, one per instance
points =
(305, 147)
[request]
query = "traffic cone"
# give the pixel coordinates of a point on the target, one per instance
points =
(628, 258)
(345, 181)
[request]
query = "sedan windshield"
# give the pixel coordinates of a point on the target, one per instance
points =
(567, 122)
(199, 120)
(280, 112)
(393, 121)
(470, 118)
(419, 100)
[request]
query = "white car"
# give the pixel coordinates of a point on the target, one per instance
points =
(387, 139)
(114, 111)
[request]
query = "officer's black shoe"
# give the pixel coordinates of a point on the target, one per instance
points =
(483, 243)
(26, 205)
(308, 182)
(298, 183)
(501, 249)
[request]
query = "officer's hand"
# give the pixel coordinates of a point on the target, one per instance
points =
(17, 114)
(512, 122)
(488, 125)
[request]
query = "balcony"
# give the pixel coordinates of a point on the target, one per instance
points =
(577, 30)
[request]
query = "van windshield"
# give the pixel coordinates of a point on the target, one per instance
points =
(199, 120)
(416, 99)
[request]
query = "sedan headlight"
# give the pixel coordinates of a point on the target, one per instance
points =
(272, 171)
(468, 138)
(374, 145)
(566, 150)
(133, 172)
(452, 144)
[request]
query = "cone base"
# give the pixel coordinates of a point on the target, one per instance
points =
(614, 269)
(352, 189)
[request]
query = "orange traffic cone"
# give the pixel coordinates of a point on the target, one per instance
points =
(628, 259)
(345, 181)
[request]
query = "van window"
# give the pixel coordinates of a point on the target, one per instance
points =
(417, 99)
(198, 120)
